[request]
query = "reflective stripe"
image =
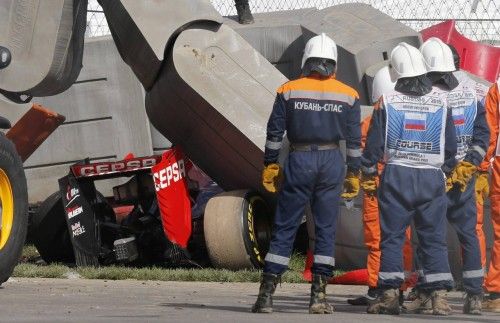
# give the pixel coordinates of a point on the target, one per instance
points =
(430, 278)
(420, 273)
(354, 152)
(319, 95)
(277, 259)
(368, 170)
(479, 273)
(387, 276)
(479, 150)
(274, 145)
(325, 260)
(408, 274)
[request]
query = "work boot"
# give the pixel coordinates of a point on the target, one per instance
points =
(491, 305)
(439, 303)
(412, 295)
(318, 303)
(264, 303)
(244, 13)
(387, 303)
(421, 304)
(363, 300)
(472, 304)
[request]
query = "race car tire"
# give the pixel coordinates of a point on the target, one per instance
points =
(49, 231)
(237, 227)
(14, 207)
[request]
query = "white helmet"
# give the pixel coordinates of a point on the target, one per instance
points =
(320, 46)
(407, 61)
(437, 55)
(383, 82)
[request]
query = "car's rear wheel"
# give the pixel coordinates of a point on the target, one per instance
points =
(14, 207)
(237, 228)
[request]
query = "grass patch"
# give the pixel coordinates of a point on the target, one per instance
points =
(36, 271)
(162, 274)
(29, 269)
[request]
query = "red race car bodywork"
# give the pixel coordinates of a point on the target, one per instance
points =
(477, 58)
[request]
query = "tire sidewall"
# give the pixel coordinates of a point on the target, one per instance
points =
(254, 251)
(11, 164)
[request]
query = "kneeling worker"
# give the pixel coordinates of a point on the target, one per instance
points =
(316, 111)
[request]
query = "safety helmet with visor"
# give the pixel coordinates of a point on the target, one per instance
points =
(407, 61)
(437, 55)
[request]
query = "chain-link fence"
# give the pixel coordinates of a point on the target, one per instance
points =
(476, 19)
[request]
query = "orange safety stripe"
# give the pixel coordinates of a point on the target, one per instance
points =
(324, 85)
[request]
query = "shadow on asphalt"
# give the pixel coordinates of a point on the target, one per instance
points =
(299, 305)
(278, 308)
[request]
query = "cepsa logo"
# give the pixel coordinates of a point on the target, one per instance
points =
(172, 173)
(113, 167)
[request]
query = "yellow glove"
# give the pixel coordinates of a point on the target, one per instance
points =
(462, 174)
(482, 187)
(449, 183)
(369, 183)
(271, 177)
(351, 186)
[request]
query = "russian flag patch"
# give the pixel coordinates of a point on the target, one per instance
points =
(415, 121)
(458, 116)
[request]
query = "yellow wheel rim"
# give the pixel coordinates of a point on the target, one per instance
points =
(7, 208)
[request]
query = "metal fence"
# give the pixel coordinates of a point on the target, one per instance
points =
(476, 19)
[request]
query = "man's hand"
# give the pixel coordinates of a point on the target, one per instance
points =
(482, 187)
(351, 186)
(369, 183)
(271, 177)
(462, 174)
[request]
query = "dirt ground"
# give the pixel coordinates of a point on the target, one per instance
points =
(80, 300)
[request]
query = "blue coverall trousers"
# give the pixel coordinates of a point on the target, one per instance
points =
(462, 215)
(314, 177)
(407, 194)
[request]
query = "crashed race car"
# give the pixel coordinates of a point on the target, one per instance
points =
(155, 218)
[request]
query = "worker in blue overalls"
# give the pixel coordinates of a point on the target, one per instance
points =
(472, 142)
(316, 111)
(412, 129)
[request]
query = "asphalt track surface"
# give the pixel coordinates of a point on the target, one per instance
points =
(79, 300)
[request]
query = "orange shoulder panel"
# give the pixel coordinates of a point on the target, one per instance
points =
(339, 87)
(313, 84)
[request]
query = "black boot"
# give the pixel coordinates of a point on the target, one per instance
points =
(264, 303)
(318, 303)
(244, 14)
(363, 300)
